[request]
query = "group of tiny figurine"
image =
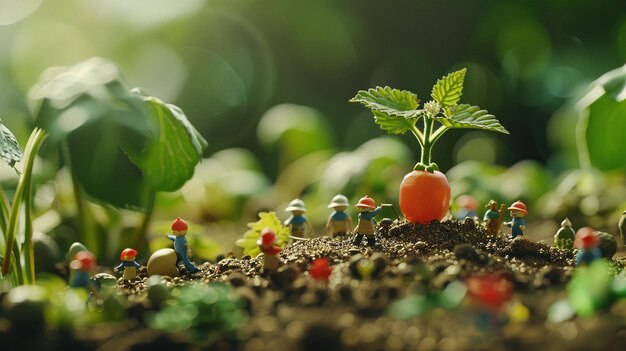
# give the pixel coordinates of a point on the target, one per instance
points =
(339, 224)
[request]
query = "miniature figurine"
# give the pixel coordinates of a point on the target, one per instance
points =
(565, 236)
(365, 225)
(339, 223)
(467, 206)
(587, 244)
(493, 218)
(517, 223)
(266, 243)
(82, 263)
(297, 222)
(129, 266)
(179, 229)
(622, 227)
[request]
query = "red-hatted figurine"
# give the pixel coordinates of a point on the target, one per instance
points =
(587, 244)
(179, 229)
(517, 223)
(266, 243)
(82, 264)
(320, 269)
(129, 266)
(365, 225)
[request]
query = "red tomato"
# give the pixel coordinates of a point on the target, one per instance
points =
(424, 197)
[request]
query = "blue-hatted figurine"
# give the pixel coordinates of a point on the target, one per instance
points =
(179, 229)
(298, 224)
(587, 244)
(82, 263)
(365, 225)
(339, 223)
(129, 266)
(517, 223)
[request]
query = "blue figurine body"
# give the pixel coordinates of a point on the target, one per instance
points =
(587, 244)
(517, 223)
(128, 265)
(298, 224)
(81, 265)
(179, 228)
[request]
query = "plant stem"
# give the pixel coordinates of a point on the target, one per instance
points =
(23, 193)
(140, 234)
(428, 144)
(584, 159)
(86, 232)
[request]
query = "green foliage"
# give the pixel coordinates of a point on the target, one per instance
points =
(203, 311)
(396, 112)
(170, 158)
(110, 131)
(10, 150)
(447, 91)
(594, 287)
(267, 220)
(465, 116)
(21, 252)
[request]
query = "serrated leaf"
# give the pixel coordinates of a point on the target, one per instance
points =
(465, 116)
(447, 91)
(394, 102)
(10, 150)
(169, 159)
(266, 220)
(393, 124)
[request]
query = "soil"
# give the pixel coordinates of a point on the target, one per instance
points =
(288, 310)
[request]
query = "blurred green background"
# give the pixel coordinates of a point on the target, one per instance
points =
(267, 84)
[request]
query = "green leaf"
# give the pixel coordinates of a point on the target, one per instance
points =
(447, 91)
(393, 124)
(394, 110)
(394, 102)
(465, 116)
(612, 83)
(10, 150)
(169, 159)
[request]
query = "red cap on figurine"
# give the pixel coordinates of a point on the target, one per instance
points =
(366, 202)
(84, 261)
(128, 252)
(520, 206)
(585, 239)
(268, 237)
(179, 225)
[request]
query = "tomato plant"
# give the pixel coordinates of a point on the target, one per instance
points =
(425, 192)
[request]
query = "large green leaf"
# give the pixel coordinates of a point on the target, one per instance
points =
(120, 143)
(447, 91)
(394, 110)
(169, 160)
(394, 102)
(612, 83)
(465, 116)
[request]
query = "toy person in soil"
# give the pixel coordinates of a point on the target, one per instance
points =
(492, 218)
(517, 223)
(365, 225)
(82, 263)
(298, 224)
(339, 223)
(587, 244)
(266, 243)
(179, 229)
(129, 266)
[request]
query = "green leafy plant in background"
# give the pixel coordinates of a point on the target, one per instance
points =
(121, 146)
(266, 220)
(205, 312)
(18, 237)
(425, 192)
